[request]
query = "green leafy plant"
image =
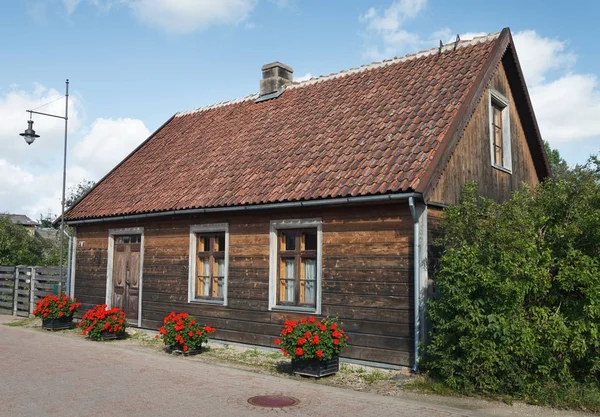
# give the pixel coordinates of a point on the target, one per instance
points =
(55, 307)
(518, 290)
(182, 331)
(310, 338)
(100, 319)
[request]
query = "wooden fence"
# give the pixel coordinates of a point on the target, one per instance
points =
(22, 286)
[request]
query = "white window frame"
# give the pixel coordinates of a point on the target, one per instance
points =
(497, 98)
(109, 268)
(194, 231)
(276, 226)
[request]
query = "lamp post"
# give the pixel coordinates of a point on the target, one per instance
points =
(29, 135)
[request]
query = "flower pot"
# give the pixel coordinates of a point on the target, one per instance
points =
(61, 323)
(106, 335)
(316, 367)
(178, 349)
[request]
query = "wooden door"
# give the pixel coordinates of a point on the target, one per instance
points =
(126, 274)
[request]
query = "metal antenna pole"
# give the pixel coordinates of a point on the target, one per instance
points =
(64, 182)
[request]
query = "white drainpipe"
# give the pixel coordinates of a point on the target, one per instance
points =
(417, 280)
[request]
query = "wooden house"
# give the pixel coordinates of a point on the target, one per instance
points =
(309, 198)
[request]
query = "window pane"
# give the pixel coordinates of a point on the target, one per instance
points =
(203, 244)
(219, 284)
(220, 242)
(220, 267)
(497, 116)
(286, 290)
(308, 287)
(310, 241)
(289, 268)
(288, 241)
(202, 286)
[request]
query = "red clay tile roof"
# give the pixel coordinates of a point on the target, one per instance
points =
(371, 130)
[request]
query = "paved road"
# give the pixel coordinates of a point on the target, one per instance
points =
(45, 374)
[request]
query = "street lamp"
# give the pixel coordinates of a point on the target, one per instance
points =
(29, 135)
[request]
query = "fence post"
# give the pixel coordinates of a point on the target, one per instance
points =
(32, 290)
(15, 289)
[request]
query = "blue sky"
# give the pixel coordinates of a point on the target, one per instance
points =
(134, 63)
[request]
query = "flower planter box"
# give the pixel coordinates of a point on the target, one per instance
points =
(106, 335)
(60, 323)
(316, 367)
(177, 349)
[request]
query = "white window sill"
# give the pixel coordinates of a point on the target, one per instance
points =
(212, 302)
(308, 310)
(503, 169)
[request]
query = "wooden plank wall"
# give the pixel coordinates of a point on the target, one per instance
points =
(471, 160)
(367, 276)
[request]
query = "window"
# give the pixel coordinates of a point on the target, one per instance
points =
(500, 131)
(208, 263)
(295, 265)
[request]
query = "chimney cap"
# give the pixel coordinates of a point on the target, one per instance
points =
(277, 64)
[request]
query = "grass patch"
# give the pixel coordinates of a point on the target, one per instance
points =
(427, 385)
(577, 396)
(573, 396)
(362, 374)
(22, 322)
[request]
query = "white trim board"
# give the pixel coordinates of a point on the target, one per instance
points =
(499, 99)
(206, 228)
(294, 224)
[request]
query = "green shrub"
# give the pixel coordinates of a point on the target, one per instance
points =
(518, 289)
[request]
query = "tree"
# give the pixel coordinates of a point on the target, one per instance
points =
(558, 165)
(46, 220)
(77, 191)
(18, 246)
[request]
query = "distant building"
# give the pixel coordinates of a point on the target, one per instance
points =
(23, 220)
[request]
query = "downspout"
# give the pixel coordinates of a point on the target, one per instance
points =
(69, 249)
(417, 279)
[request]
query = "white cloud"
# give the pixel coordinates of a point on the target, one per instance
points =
(305, 77)
(107, 143)
(173, 16)
(386, 29)
(31, 175)
(70, 5)
(186, 16)
(566, 103)
(538, 55)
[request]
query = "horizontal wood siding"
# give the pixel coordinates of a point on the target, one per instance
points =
(367, 276)
(471, 160)
(90, 266)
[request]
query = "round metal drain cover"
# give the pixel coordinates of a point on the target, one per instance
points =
(273, 401)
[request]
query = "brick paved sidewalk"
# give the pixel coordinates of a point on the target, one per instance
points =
(46, 374)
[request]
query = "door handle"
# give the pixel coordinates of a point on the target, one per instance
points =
(127, 282)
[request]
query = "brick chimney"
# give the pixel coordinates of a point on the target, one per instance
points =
(274, 76)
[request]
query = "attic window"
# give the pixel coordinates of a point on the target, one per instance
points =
(500, 144)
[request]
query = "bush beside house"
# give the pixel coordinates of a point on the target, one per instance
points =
(518, 292)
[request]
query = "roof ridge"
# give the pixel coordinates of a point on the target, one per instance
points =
(220, 104)
(395, 60)
(373, 65)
